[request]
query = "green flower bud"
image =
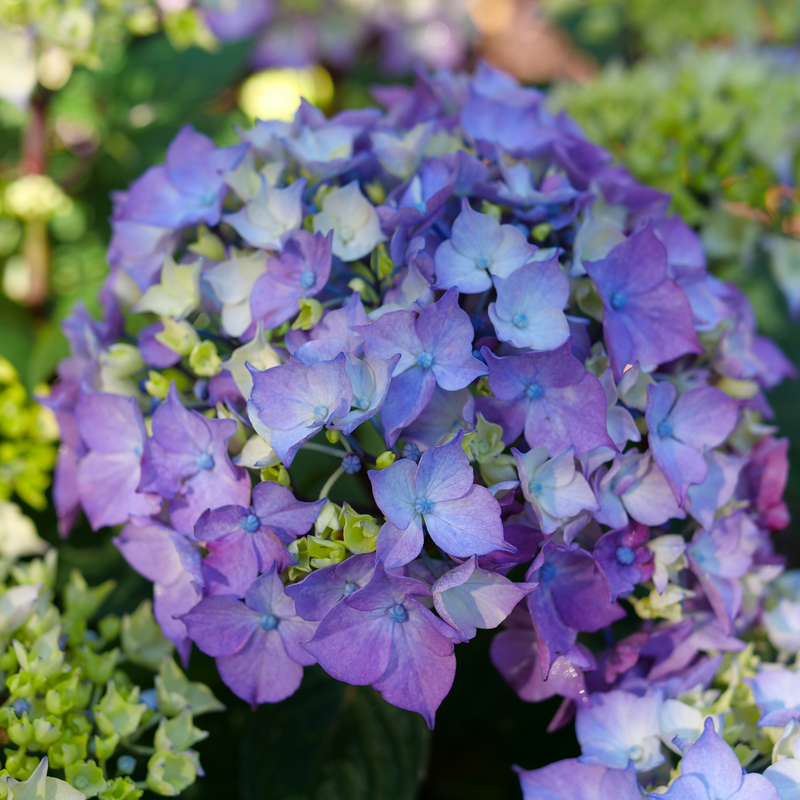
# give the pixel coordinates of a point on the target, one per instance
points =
(109, 627)
(121, 789)
(20, 766)
(310, 314)
(204, 359)
(46, 730)
(86, 777)
(385, 459)
(360, 531)
(208, 245)
(278, 474)
(97, 667)
(115, 714)
(324, 552)
(488, 442)
(105, 748)
(21, 732)
(299, 550)
(71, 748)
(174, 692)
(492, 209)
(81, 600)
(142, 640)
(178, 734)
(170, 773)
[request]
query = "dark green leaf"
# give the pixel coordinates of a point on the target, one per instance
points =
(331, 741)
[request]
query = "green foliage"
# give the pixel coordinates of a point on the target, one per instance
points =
(718, 131)
(69, 699)
(655, 26)
(336, 742)
(28, 441)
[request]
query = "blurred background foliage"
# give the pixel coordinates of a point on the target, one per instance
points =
(699, 98)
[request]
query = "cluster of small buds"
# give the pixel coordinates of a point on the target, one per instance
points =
(520, 362)
(69, 706)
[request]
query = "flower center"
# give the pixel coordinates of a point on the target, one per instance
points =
(425, 360)
(484, 262)
(398, 613)
(208, 198)
(618, 300)
(635, 753)
(519, 320)
(251, 523)
(534, 391)
(346, 234)
(362, 404)
(535, 488)
(423, 505)
(664, 429)
(349, 588)
(320, 413)
(625, 555)
(547, 572)
(205, 461)
(307, 279)
(137, 450)
(268, 622)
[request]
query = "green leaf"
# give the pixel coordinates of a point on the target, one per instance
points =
(331, 741)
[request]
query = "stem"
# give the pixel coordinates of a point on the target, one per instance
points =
(323, 448)
(329, 483)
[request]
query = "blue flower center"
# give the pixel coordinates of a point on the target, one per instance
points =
(205, 461)
(208, 198)
(349, 588)
(484, 262)
(137, 450)
(251, 523)
(535, 488)
(398, 613)
(425, 360)
(268, 622)
(307, 279)
(519, 320)
(635, 752)
(320, 413)
(547, 572)
(625, 555)
(534, 391)
(664, 429)
(618, 300)
(362, 404)
(351, 463)
(423, 505)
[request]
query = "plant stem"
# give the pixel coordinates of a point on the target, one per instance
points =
(322, 448)
(329, 483)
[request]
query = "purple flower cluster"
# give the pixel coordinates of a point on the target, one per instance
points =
(559, 414)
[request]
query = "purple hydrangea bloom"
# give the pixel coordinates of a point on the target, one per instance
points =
(680, 428)
(528, 310)
(710, 770)
(721, 556)
(420, 201)
(370, 379)
(302, 270)
(258, 643)
(112, 429)
(244, 542)
(556, 490)
(322, 589)
(777, 694)
(479, 248)
(435, 349)
(382, 636)
(624, 558)
(296, 401)
(468, 597)
(553, 396)
(172, 563)
(572, 596)
(573, 780)
(646, 316)
(462, 517)
(446, 414)
(186, 461)
(189, 188)
(634, 486)
(619, 727)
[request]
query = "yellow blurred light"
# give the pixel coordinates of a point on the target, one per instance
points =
(276, 93)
